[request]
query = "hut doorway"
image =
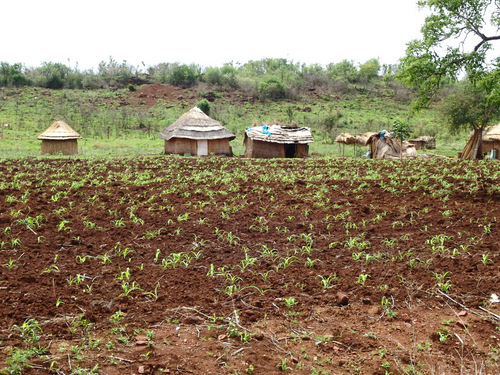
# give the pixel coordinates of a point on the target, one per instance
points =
(290, 150)
(202, 147)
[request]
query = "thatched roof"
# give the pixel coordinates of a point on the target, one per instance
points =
(280, 134)
(195, 124)
(423, 138)
(364, 139)
(492, 134)
(59, 131)
(346, 138)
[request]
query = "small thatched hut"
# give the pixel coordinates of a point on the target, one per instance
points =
(490, 144)
(423, 142)
(277, 141)
(349, 139)
(59, 138)
(194, 133)
(491, 141)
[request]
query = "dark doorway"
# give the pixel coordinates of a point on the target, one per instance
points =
(290, 150)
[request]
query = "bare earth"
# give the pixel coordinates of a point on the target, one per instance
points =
(227, 266)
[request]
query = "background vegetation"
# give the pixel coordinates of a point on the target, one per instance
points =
(340, 97)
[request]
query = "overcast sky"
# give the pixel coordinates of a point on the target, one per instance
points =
(208, 33)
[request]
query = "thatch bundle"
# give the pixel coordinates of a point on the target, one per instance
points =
(390, 148)
(364, 138)
(346, 138)
(59, 138)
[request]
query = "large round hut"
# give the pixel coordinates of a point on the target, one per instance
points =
(194, 133)
(59, 138)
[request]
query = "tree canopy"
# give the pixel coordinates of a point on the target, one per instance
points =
(457, 39)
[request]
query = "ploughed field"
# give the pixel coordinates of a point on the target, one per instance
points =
(234, 266)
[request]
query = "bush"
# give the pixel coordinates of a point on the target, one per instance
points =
(272, 89)
(184, 76)
(204, 105)
(12, 75)
(213, 76)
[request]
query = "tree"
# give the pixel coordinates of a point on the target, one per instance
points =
(344, 70)
(184, 75)
(369, 70)
(12, 75)
(457, 41)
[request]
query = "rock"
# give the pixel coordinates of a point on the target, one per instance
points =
(342, 299)
(373, 310)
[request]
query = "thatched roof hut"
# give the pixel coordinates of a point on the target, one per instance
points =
(59, 138)
(491, 141)
(474, 149)
(276, 141)
(423, 142)
(194, 133)
(349, 139)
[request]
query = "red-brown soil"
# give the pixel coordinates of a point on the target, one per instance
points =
(228, 266)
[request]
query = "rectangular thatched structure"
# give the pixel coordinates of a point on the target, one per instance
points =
(277, 141)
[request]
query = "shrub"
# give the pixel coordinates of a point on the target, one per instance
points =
(204, 105)
(272, 89)
(213, 76)
(12, 75)
(184, 76)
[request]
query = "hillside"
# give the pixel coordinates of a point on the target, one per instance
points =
(127, 120)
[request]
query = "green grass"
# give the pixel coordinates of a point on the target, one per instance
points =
(108, 128)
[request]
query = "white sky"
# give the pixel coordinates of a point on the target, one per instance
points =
(208, 33)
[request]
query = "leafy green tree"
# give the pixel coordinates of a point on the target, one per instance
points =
(184, 75)
(369, 70)
(12, 75)
(457, 40)
(224, 77)
(342, 71)
(271, 88)
(453, 41)
(54, 74)
(213, 76)
(401, 129)
(469, 107)
(229, 76)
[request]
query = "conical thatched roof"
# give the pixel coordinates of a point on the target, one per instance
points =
(59, 131)
(492, 133)
(195, 124)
